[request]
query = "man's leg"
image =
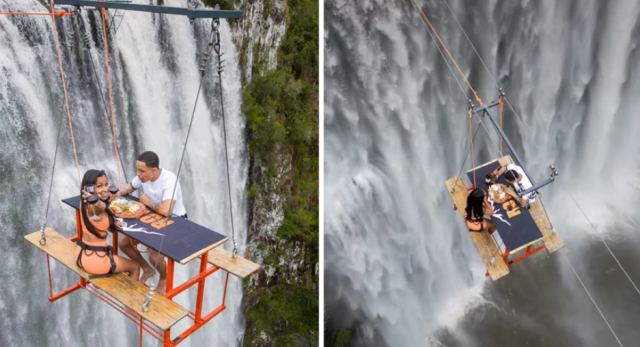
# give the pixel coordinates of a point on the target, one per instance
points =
(158, 262)
(130, 249)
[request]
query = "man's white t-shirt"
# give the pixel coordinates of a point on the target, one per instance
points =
(524, 182)
(161, 190)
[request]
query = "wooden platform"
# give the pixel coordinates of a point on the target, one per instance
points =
(487, 248)
(162, 312)
(238, 266)
(552, 241)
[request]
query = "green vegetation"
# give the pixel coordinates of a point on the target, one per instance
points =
(281, 107)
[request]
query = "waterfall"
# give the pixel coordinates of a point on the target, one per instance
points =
(155, 71)
(400, 269)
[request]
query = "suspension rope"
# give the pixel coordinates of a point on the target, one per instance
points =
(43, 239)
(193, 113)
(593, 227)
(432, 28)
(501, 111)
(63, 81)
(82, 29)
(468, 146)
(216, 24)
(593, 301)
(112, 112)
(471, 137)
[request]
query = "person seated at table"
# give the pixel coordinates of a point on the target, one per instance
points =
(514, 175)
(157, 193)
(478, 212)
(93, 253)
(500, 193)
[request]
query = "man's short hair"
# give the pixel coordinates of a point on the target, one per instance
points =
(150, 159)
(511, 175)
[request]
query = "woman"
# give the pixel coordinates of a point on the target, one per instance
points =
(479, 212)
(93, 254)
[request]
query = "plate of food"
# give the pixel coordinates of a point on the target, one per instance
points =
(497, 193)
(125, 208)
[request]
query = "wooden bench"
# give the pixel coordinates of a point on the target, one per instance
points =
(552, 241)
(162, 312)
(238, 266)
(489, 252)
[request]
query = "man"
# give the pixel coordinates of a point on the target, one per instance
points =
(515, 177)
(157, 194)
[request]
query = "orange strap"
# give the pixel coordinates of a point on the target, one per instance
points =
(52, 13)
(501, 108)
(433, 30)
(112, 111)
(471, 140)
(63, 80)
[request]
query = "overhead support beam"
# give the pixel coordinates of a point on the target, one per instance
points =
(191, 13)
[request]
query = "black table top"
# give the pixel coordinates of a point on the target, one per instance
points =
(181, 241)
(513, 222)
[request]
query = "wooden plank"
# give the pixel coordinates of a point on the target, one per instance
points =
(59, 248)
(552, 241)
(237, 266)
(202, 251)
(487, 248)
(163, 312)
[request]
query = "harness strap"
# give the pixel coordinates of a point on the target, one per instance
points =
(108, 250)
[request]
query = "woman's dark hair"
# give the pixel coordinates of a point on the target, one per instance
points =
(475, 202)
(149, 159)
(91, 178)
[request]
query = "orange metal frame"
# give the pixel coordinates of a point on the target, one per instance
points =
(163, 336)
(528, 251)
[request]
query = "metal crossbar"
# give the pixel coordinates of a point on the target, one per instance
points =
(191, 13)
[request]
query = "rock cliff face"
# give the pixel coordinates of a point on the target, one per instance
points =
(285, 291)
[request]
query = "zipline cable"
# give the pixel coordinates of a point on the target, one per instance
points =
(593, 301)
(602, 240)
(448, 63)
(433, 30)
(495, 79)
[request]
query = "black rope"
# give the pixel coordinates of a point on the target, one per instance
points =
(215, 24)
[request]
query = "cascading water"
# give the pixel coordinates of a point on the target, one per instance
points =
(400, 269)
(155, 70)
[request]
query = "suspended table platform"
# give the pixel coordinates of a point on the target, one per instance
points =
(178, 239)
(521, 230)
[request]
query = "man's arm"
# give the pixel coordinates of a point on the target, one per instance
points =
(164, 208)
(499, 172)
(126, 190)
